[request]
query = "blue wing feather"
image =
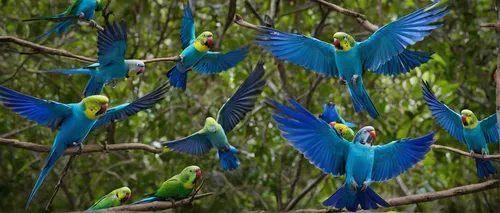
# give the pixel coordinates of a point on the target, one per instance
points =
(112, 44)
(243, 100)
(404, 62)
(390, 40)
(314, 138)
(446, 117)
(44, 112)
(125, 110)
(214, 62)
(187, 30)
(489, 126)
(293, 47)
(195, 144)
(396, 157)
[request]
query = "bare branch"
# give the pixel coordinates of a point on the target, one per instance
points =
(360, 17)
(497, 71)
(17, 131)
(73, 150)
(240, 21)
(229, 20)
(305, 191)
(478, 156)
(158, 205)
(56, 188)
(153, 60)
(64, 18)
(490, 25)
(254, 12)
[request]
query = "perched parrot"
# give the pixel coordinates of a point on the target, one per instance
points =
(112, 65)
(213, 134)
(84, 9)
(360, 161)
(383, 53)
(177, 187)
(74, 120)
(196, 54)
(466, 128)
(330, 114)
(114, 198)
(344, 130)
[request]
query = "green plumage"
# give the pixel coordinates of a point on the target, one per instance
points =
(114, 198)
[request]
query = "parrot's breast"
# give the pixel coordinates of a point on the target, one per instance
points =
(218, 139)
(475, 139)
(360, 160)
(348, 63)
(191, 57)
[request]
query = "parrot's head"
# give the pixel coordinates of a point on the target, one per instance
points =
(344, 130)
(204, 41)
(100, 4)
(343, 42)
(191, 173)
(123, 194)
(95, 106)
(469, 120)
(211, 124)
(135, 67)
(366, 136)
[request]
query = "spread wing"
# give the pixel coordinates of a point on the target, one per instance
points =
(403, 63)
(123, 111)
(112, 44)
(302, 50)
(390, 40)
(188, 35)
(214, 62)
(243, 100)
(394, 158)
(195, 144)
(44, 112)
(489, 126)
(446, 117)
(321, 145)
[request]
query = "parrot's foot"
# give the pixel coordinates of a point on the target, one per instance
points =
(171, 200)
(81, 16)
(92, 23)
(80, 150)
(483, 152)
(112, 83)
(342, 81)
(364, 187)
(354, 185)
(472, 153)
(354, 79)
(105, 145)
(182, 60)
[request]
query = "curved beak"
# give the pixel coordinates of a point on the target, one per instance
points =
(103, 109)
(141, 71)
(332, 124)
(212, 128)
(373, 136)
(464, 120)
(198, 173)
(336, 43)
(209, 41)
(127, 196)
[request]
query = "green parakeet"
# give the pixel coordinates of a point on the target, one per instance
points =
(112, 199)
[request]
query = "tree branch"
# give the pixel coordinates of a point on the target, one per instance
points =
(497, 72)
(305, 191)
(73, 150)
(17, 131)
(56, 188)
(64, 18)
(360, 17)
(158, 205)
(460, 152)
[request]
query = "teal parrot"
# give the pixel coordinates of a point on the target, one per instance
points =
(112, 199)
(360, 161)
(330, 114)
(383, 53)
(196, 55)
(177, 187)
(213, 134)
(112, 65)
(84, 9)
(466, 128)
(74, 120)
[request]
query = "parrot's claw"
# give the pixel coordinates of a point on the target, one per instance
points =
(92, 23)
(105, 145)
(81, 16)
(182, 60)
(483, 152)
(80, 150)
(364, 187)
(472, 153)
(171, 201)
(354, 185)
(354, 79)
(342, 81)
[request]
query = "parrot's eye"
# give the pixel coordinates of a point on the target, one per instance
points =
(190, 170)
(138, 65)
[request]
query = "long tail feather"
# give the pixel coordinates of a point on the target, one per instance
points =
(93, 87)
(59, 28)
(485, 168)
(345, 198)
(177, 78)
(228, 160)
(148, 200)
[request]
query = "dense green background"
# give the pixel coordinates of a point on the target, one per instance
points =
(461, 75)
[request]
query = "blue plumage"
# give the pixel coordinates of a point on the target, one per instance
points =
(330, 114)
(360, 161)
(228, 160)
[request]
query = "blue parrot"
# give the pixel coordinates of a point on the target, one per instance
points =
(74, 120)
(383, 53)
(196, 55)
(213, 134)
(360, 161)
(84, 9)
(112, 65)
(330, 114)
(466, 128)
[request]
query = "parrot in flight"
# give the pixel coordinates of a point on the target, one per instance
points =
(196, 55)
(112, 65)
(113, 199)
(330, 114)
(343, 129)
(360, 161)
(383, 53)
(177, 187)
(74, 120)
(213, 134)
(466, 128)
(84, 9)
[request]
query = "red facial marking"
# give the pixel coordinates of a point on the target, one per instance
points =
(209, 41)
(141, 70)
(373, 135)
(332, 124)
(198, 173)
(336, 42)
(127, 196)
(464, 119)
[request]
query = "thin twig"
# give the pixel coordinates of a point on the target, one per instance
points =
(305, 191)
(359, 17)
(478, 156)
(64, 18)
(158, 205)
(254, 12)
(17, 131)
(56, 189)
(73, 150)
